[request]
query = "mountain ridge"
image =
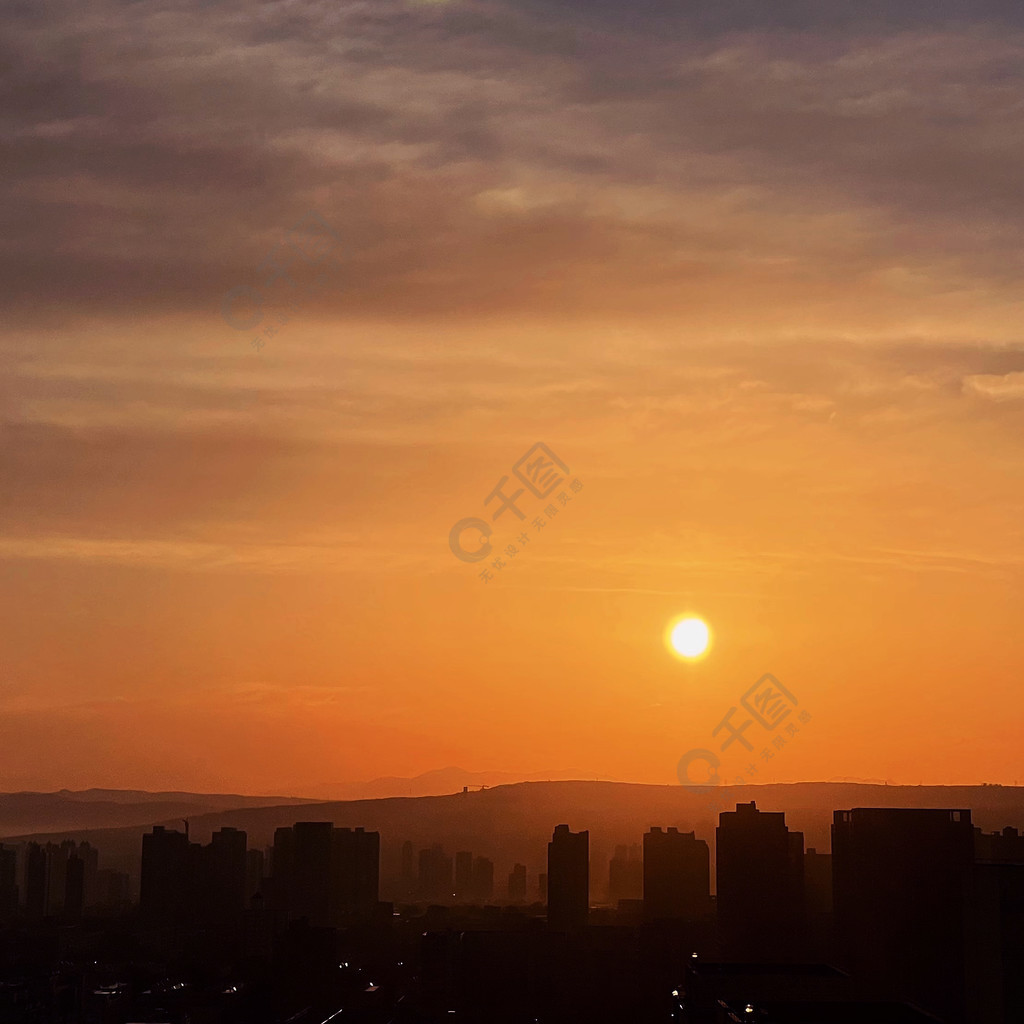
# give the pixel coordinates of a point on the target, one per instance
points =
(30, 811)
(512, 823)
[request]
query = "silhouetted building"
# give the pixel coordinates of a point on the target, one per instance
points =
(57, 857)
(168, 884)
(408, 866)
(278, 899)
(90, 858)
(355, 872)
(517, 883)
(900, 881)
(311, 871)
(676, 875)
(483, 878)
(568, 878)
(994, 959)
(996, 949)
(436, 878)
(112, 891)
(1006, 847)
(464, 874)
(8, 883)
(225, 867)
(35, 882)
(322, 874)
(818, 882)
(58, 879)
(625, 874)
(255, 873)
(760, 884)
(74, 886)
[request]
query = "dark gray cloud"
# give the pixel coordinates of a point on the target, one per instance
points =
(150, 146)
(716, 17)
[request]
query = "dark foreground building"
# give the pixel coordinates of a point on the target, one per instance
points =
(901, 885)
(568, 878)
(677, 875)
(322, 874)
(760, 884)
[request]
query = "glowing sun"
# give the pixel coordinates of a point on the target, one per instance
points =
(689, 638)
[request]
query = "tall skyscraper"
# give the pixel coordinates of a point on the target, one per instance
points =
(355, 872)
(311, 871)
(57, 876)
(90, 858)
(168, 883)
(60, 879)
(279, 895)
(324, 874)
(995, 936)
(901, 881)
(760, 884)
(464, 874)
(112, 890)
(8, 883)
(255, 872)
(568, 878)
(35, 881)
(483, 878)
(435, 873)
(225, 873)
(408, 866)
(676, 875)
(74, 885)
(818, 882)
(625, 874)
(517, 883)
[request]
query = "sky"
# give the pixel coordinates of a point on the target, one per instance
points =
(290, 288)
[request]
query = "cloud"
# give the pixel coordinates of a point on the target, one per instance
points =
(484, 158)
(751, 269)
(1008, 387)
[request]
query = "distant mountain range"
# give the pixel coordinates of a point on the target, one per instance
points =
(112, 808)
(511, 823)
(74, 810)
(441, 782)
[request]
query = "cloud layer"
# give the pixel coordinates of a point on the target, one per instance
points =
(752, 270)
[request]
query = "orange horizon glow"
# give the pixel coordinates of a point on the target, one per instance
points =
(786, 374)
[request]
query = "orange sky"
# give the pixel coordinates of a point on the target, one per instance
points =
(756, 284)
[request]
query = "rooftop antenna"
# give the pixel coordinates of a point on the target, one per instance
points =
(185, 820)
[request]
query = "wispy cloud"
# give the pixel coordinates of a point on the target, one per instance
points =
(752, 270)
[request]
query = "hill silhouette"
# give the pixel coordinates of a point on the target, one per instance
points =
(111, 808)
(439, 782)
(513, 823)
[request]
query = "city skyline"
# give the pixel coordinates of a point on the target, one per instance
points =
(786, 931)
